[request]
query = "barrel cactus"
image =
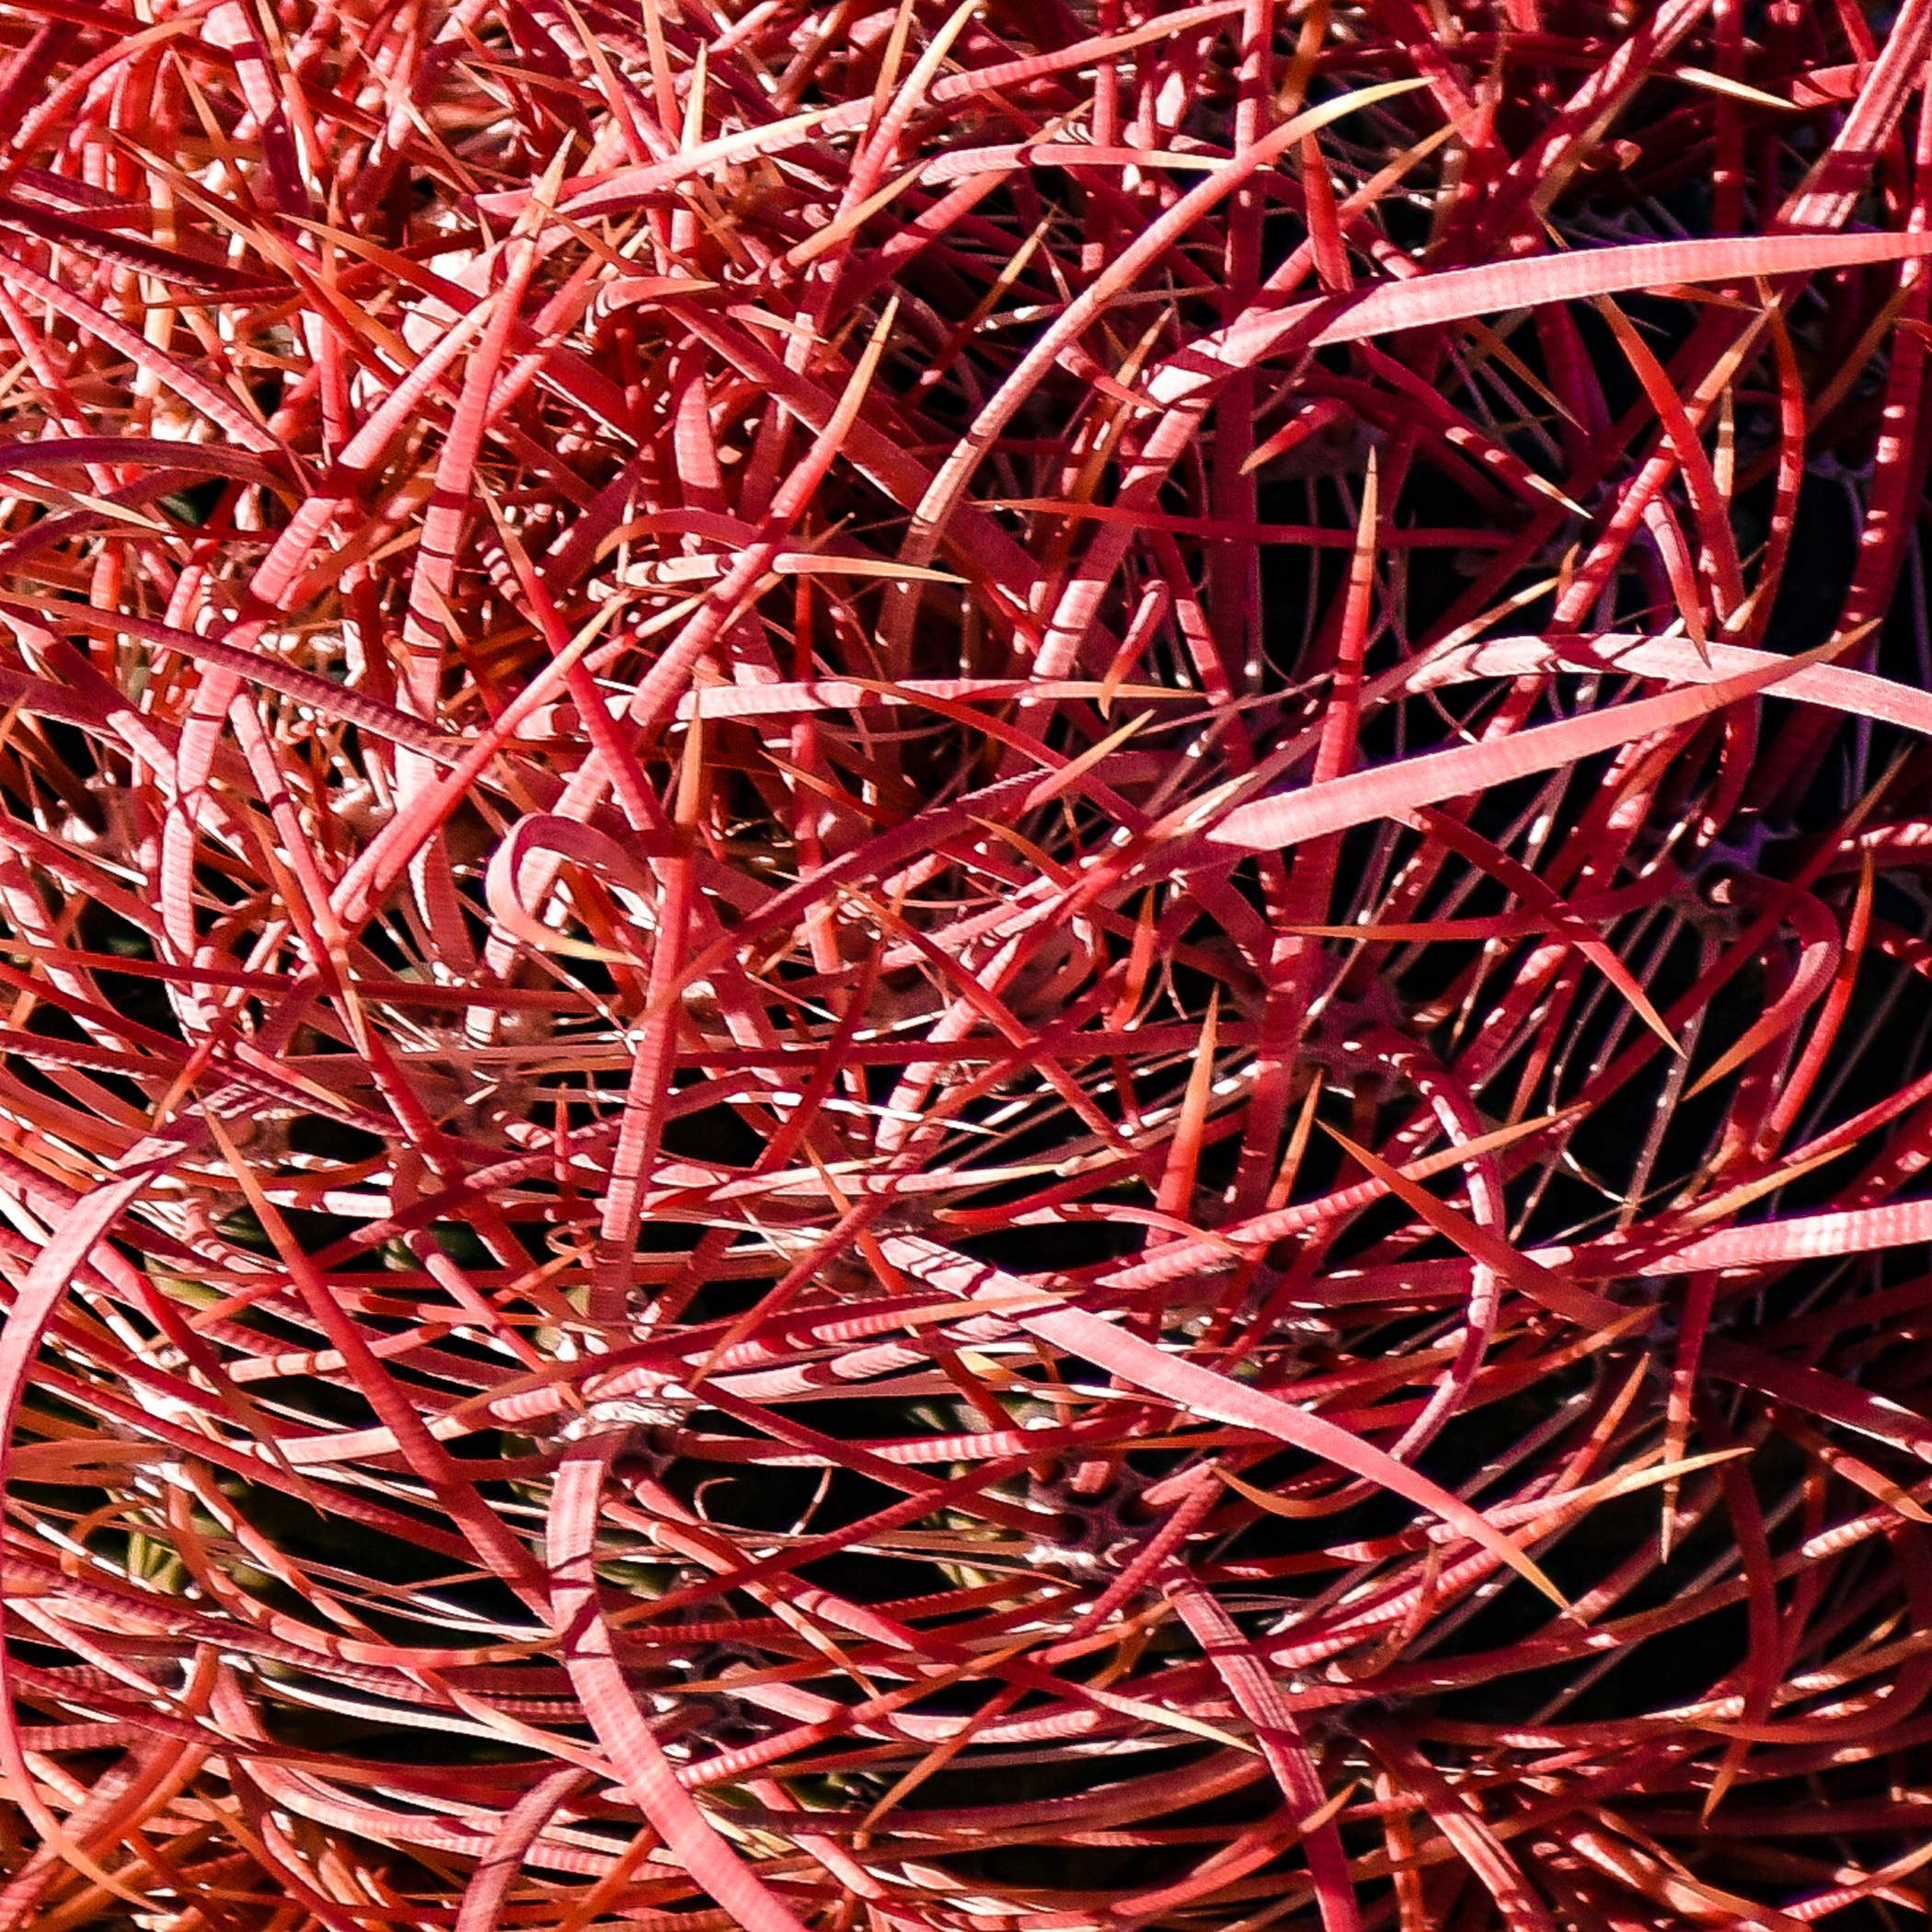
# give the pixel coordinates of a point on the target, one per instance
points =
(967, 966)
